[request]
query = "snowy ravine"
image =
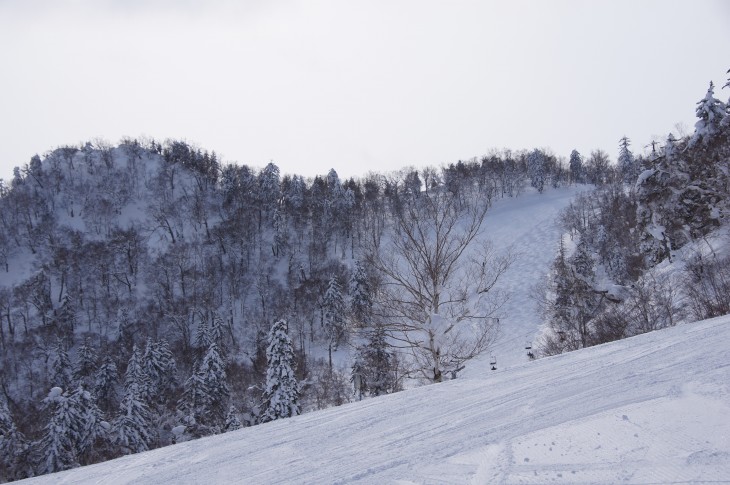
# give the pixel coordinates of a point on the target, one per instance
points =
(646, 410)
(526, 224)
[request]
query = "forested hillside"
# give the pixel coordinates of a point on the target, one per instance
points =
(649, 250)
(151, 294)
(140, 283)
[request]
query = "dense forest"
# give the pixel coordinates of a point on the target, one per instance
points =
(648, 250)
(151, 293)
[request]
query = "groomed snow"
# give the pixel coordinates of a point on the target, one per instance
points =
(653, 409)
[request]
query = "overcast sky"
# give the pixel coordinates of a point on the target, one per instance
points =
(355, 85)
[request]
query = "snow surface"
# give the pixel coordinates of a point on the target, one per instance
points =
(645, 410)
(527, 225)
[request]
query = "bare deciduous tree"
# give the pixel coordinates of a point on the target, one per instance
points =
(437, 298)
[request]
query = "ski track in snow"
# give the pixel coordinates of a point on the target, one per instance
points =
(653, 409)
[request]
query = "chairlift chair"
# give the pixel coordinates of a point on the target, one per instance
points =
(528, 348)
(493, 363)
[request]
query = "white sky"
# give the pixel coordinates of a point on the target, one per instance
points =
(355, 85)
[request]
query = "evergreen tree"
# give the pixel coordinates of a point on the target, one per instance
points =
(61, 370)
(573, 301)
(378, 363)
(537, 169)
(710, 113)
(333, 309)
(136, 375)
(215, 390)
(193, 399)
(357, 376)
(269, 187)
(281, 396)
(131, 428)
(13, 448)
(90, 424)
(626, 162)
(361, 299)
(216, 332)
(105, 380)
(232, 421)
(86, 364)
(202, 337)
(57, 447)
(159, 366)
(66, 319)
(576, 167)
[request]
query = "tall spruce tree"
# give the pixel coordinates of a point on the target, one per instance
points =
(710, 113)
(86, 364)
(131, 428)
(61, 370)
(281, 395)
(537, 169)
(159, 366)
(104, 387)
(626, 162)
(56, 450)
(215, 389)
(377, 363)
(13, 448)
(333, 313)
(360, 294)
(576, 167)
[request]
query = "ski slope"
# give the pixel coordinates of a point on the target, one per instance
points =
(527, 225)
(653, 409)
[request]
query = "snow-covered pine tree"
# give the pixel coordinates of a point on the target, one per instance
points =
(66, 318)
(281, 395)
(378, 363)
(571, 301)
(710, 113)
(104, 387)
(232, 421)
(576, 167)
(361, 298)
(333, 312)
(13, 448)
(90, 425)
(626, 162)
(269, 187)
(56, 450)
(192, 401)
(584, 304)
(137, 375)
(357, 376)
(215, 389)
(86, 364)
(202, 337)
(536, 169)
(61, 370)
(216, 332)
(131, 428)
(159, 365)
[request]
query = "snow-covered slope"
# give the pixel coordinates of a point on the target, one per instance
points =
(527, 225)
(650, 409)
